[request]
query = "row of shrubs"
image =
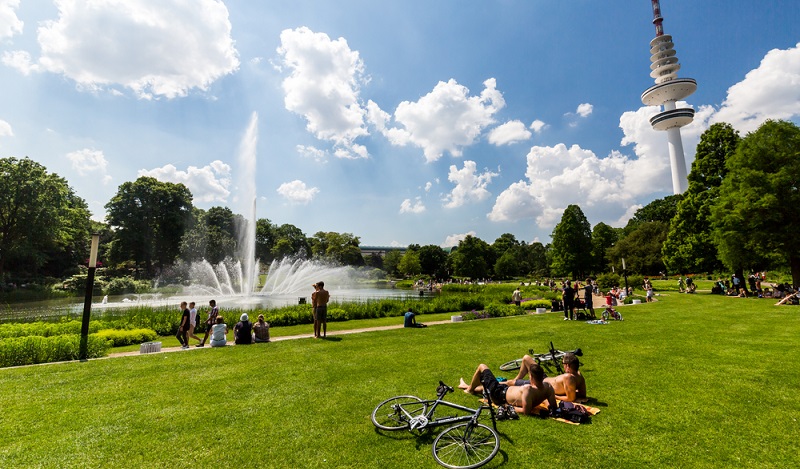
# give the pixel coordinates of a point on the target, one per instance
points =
(164, 320)
(103, 286)
(31, 350)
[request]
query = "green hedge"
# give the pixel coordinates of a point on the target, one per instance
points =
(48, 329)
(120, 338)
(31, 350)
(533, 304)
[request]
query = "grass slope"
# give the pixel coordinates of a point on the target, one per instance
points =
(690, 381)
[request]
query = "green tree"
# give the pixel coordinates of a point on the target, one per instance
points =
(538, 263)
(758, 208)
(341, 248)
(572, 244)
(505, 242)
(641, 249)
(150, 218)
(266, 235)
(409, 264)
(603, 238)
(473, 259)
(43, 224)
(433, 261)
(211, 235)
(662, 210)
(689, 246)
(290, 241)
(391, 261)
(508, 265)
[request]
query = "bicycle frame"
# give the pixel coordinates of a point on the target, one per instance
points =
(427, 420)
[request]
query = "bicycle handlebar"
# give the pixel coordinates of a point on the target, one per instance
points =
(443, 389)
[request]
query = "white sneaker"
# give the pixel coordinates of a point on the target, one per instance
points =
(566, 319)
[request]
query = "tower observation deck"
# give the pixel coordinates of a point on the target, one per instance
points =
(667, 90)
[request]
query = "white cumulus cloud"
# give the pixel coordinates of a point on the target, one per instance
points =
(179, 45)
(309, 151)
(88, 161)
(412, 207)
(454, 239)
(297, 192)
(537, 126)
(446, 119)
(5, 129)
(771, 91)
(508, 133)
(324, 86)
(10, 24)
(208, 184)
(584, 109)
(470, 187)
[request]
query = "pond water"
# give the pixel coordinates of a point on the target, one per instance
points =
(74, 306)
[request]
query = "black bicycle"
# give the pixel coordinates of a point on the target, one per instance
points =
(466, 444)
(551, 358)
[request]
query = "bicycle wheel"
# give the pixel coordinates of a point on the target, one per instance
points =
(394, 413)
(466, 445)
(512, 365)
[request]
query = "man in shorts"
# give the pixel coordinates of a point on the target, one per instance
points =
(570, 386)
(319, 303)
(524, 399)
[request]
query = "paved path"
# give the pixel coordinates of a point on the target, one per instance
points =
(278, 339)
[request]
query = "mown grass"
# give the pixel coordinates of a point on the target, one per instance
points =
(689, 381)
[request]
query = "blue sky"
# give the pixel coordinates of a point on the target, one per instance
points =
(400, 122)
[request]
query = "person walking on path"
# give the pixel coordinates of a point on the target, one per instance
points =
(319, 303)
(193, 320)
(211, 321)
(183, 328)
(516, 297)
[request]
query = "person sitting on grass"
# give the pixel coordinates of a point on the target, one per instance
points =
(243, 331)
(218, 333)
(568, 387)
(261, 330)
(410, 320)
(524, 399)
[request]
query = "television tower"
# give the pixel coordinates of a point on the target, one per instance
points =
(667, 90)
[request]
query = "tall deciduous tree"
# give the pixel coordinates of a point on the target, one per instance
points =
(433, 261)
(758, 210)
(42, 222)
(474, 258)
(689, 246)
(641, 249)
(341, 248)
(150, 218)
(603, 238)
(572, 244)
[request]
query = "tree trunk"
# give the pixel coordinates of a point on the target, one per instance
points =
(794, 261)
(742, 281)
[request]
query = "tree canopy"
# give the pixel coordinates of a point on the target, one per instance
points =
(758, 210)
(150, 218)
(689, 246)
(44, 226)
(572, 244)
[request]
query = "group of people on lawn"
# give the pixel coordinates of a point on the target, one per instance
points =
(525, 395)
(244, 332)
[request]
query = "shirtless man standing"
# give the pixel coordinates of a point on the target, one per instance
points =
(568, 387)
(524, 399)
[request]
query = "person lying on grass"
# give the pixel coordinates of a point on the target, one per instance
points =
(569, 386)
(524, 399)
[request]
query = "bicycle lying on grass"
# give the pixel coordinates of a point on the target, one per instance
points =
(547, 359)
(465, 445)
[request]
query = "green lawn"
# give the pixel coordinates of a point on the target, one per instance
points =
(689, 381)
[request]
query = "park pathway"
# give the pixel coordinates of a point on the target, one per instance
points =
(282, 338)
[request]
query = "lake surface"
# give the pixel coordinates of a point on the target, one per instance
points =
(74, 306)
